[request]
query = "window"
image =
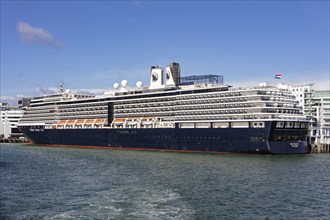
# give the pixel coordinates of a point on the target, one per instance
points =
(288, 124)
(240, 124)
(257, 124)
(303, 125)
(221, 125)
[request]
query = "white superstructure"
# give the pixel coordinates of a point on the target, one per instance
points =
(303, 92)
(201, 101)
(9, 118)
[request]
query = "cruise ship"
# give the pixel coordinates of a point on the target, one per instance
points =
(196, 113)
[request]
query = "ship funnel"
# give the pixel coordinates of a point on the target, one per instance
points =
(156, 77)
(173, 74)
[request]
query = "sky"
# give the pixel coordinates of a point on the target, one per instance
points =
(90, 45)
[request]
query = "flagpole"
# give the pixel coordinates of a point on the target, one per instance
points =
(279, 76)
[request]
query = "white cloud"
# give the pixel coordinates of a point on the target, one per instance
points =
(135, 3)
(36, 35)
(321, 80)
(5, 98)
(52, 90)
(89, 91)
(48, 91)
(11, 100)
(322, 84)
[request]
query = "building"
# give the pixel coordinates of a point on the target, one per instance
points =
(9, 117)
(303, 93)
(316, 106)
(320, 127)
(24, 102)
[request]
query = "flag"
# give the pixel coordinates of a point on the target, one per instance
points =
(278, 76)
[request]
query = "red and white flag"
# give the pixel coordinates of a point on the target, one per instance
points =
(278, 76)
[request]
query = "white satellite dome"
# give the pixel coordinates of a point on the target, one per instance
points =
(67, 91)
(139, 84)
(116, 86)
(124, 83)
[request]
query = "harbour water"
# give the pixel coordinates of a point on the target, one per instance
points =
(68, 183)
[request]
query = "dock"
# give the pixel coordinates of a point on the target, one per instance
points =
(320, 148)
(5, 140)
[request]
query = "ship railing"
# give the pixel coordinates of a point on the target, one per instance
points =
(99, 123)
(89, 123)
(81, 123)
(143, 122)
(165, 125)
(118, 123)
(31, 124)
(53, 126)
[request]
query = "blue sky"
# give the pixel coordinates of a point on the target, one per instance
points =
(90, 45)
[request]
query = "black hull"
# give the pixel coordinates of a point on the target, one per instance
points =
(212, 140)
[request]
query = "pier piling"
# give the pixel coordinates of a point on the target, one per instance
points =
(320, 148)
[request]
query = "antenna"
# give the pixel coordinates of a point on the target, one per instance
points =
(61, 88)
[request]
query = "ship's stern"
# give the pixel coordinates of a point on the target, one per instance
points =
(288, 137)
(300, 147)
